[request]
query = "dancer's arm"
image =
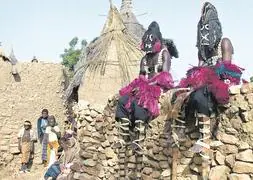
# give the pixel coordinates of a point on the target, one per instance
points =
(142, 69)
(200, 59)
(227, 50)
(166, 61)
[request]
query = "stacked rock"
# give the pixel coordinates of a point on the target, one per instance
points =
(231, 146)
(96, 135)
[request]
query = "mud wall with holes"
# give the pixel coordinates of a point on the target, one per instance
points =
(231, 147)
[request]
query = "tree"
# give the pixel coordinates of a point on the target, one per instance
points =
(251, 79)
(84, 42)
(73, 42)
(71, 55)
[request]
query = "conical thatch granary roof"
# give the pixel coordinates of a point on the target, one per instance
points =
(112, 61)
(12, 57)
(130, 20)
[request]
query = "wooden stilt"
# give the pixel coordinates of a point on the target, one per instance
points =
(205, 123)
(175, 152)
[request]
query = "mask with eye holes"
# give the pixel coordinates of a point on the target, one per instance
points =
(152, 39)
(209, 31)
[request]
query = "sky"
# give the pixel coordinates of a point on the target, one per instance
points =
(43, 28)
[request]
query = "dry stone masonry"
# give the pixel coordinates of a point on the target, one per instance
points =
(232, 156)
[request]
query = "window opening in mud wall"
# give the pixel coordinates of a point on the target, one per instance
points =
(74, 95)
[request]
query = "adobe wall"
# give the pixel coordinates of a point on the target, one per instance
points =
(38, 86)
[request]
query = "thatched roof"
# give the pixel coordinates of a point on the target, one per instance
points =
(12, 57)
(130, 20)
(78, 75)
(112, 61)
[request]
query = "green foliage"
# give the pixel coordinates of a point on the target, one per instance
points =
(71, 55)
(251, 79)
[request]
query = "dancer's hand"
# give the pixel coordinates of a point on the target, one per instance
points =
(134, 91)
(227, 81)
(153, 83)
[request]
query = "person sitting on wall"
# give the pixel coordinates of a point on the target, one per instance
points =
(210, 80)
(138, 102)
(34, 60)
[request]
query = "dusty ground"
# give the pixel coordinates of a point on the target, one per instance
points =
(35, 174)
(11, 172)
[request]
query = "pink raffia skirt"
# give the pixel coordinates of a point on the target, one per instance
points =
(218, 79)
(147, 91)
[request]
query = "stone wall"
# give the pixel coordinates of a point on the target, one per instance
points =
(38, 86)
(232, 156)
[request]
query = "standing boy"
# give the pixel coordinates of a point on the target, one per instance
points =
(26, 138)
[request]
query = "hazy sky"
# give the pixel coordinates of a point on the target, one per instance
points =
(44, 27)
